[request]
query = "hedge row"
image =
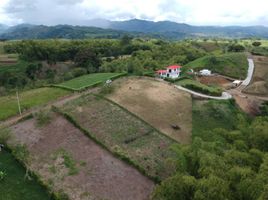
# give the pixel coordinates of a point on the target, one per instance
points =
(203, 90)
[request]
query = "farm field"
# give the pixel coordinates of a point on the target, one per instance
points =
(85, 81)
(123, 134)
(28, 99)
(69, 161)
(15, 186)
(158, 103)
(215, 81)
(259, 85)
(231, 64)
(211, 114)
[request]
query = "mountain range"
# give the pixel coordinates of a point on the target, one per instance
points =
(100, 28)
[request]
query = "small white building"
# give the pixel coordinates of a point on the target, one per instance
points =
(205, 72)
(236, 83)
(171, 72)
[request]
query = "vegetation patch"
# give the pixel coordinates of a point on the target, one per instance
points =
(231, 64)
(211, 114)
(28, 99)
(87, 81)
(199, 87)
(14, 185)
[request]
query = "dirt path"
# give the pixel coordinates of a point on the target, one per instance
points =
(59, 147)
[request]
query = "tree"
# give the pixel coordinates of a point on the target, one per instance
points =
(236, 48)
(256, 44)
(179, 187)
(88, 59)
(212, 188)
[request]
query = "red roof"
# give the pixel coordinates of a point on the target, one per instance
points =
(174, 67)
(161, 71)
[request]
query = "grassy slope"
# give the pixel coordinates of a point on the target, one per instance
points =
(28, 99)
(208, 115)
(15, 186)
(87, 80)
(231, 64)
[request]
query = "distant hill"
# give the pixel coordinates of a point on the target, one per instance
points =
(100, 28)
(3, 28)
(26, 31)
(167, 27)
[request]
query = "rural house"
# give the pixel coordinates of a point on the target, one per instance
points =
(171, 72)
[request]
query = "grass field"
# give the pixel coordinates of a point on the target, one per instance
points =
(199, 87)
(232, 64)
(259, 85)
(28, 99)
(15, 186)
(89, 80)
(122, 133)
(208, 115)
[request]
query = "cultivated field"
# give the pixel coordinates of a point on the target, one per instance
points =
(69, 161)
(158, 103)
(123, 134)
(259, 85)
(89, 80)
(215, 81)
(15, 186)
(28, 99)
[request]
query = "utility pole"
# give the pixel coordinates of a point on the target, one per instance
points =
(18, 100)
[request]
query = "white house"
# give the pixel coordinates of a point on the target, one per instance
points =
(171, 72)
(205, 72)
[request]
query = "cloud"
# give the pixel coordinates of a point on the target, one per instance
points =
(197, 12)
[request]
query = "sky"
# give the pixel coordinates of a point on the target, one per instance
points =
(79, 12)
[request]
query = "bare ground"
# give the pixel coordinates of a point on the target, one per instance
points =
(158, 103)
(215, 80)
(259, 84)
(99, 175)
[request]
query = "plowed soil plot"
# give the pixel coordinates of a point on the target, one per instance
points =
(158, 103)
(69, 161)
(215, 80)
(123, 133)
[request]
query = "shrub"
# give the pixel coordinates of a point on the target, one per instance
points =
(79, 71)
(107, 89)
(2, 175)
(43, 117)
(4, 135)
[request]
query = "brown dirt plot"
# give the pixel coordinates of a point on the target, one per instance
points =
(158, 103)
(214, 80)
(259, 85)
(68, 160)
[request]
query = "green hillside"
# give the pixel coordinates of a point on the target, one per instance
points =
(231, 64)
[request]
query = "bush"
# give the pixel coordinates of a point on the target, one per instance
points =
(2, 175)
(78, 71)
(43, 117)
(4, 135)
(107, 89)
(204, 90)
